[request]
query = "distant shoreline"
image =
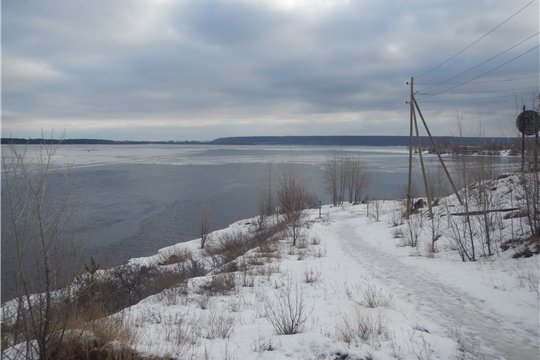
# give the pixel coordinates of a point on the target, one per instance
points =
(282, 140)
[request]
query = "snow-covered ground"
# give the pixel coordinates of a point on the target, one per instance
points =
(355, 292)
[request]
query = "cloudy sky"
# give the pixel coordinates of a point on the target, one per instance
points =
(202, 69)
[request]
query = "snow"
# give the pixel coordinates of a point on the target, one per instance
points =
(431, 307)
(423, 305)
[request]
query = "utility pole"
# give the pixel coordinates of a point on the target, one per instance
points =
(409, 186)
(413, 104)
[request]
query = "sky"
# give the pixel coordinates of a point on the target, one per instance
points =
(203, 69)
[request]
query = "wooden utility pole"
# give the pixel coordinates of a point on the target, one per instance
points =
(409, 186)
(426, 186)
(413, 104)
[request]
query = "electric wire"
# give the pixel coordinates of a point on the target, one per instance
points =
(486, 91)
(484, 81)
(444, 62)
(487, 72)
(472, 99)
(477, 66)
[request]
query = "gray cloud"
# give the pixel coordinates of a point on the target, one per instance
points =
(159, 69)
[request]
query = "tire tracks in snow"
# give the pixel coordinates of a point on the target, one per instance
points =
(443, 304)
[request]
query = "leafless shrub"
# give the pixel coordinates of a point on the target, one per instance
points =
(128, 284)
(370, 296)
(396, 216)
(373, 298)
(217, 324)
(320, 252)
(413, 231)
(288, 312)
(375, 209)
(123, 286)
(254, 260)
(266, 198)
(302, 242)
(428, 249)
(174, 256)
(204, 223)
(315, 240)
(460, 231)
(269, 249)
(434, 231)
(267, 269)
(311, 276)
(262, 344)
(421, 348)
(397, 233)
(247, 279)
(301, 254)
(185, 335)
(351, 290)
(236, 304)
(228, 246)
(203, 300)
(218, 284)
(292, 250)
(191, 268)
(363, 327)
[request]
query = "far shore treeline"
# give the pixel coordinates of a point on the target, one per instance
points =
(495, 142)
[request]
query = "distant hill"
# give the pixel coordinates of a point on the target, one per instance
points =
(349, 140)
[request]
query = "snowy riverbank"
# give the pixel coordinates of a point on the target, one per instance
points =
(362, 294)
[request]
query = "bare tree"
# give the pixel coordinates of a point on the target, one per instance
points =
(374, 209)
(344, 175)
(358, 178)
(266, 196)
(332, 167)
(463, 164)
(40, 237)
(292, 196)
(204, 223)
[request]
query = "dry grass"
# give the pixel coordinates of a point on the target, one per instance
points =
(107, 338)
(363, 328)
(311, 276)
(221, 284)
(174, 256)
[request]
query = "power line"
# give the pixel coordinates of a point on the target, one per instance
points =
(484, 81)
(444, 62)
(472, 99)
(477, 66)
(486, 91)
(487, 72)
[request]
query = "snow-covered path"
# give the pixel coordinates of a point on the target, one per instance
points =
(441, 303)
